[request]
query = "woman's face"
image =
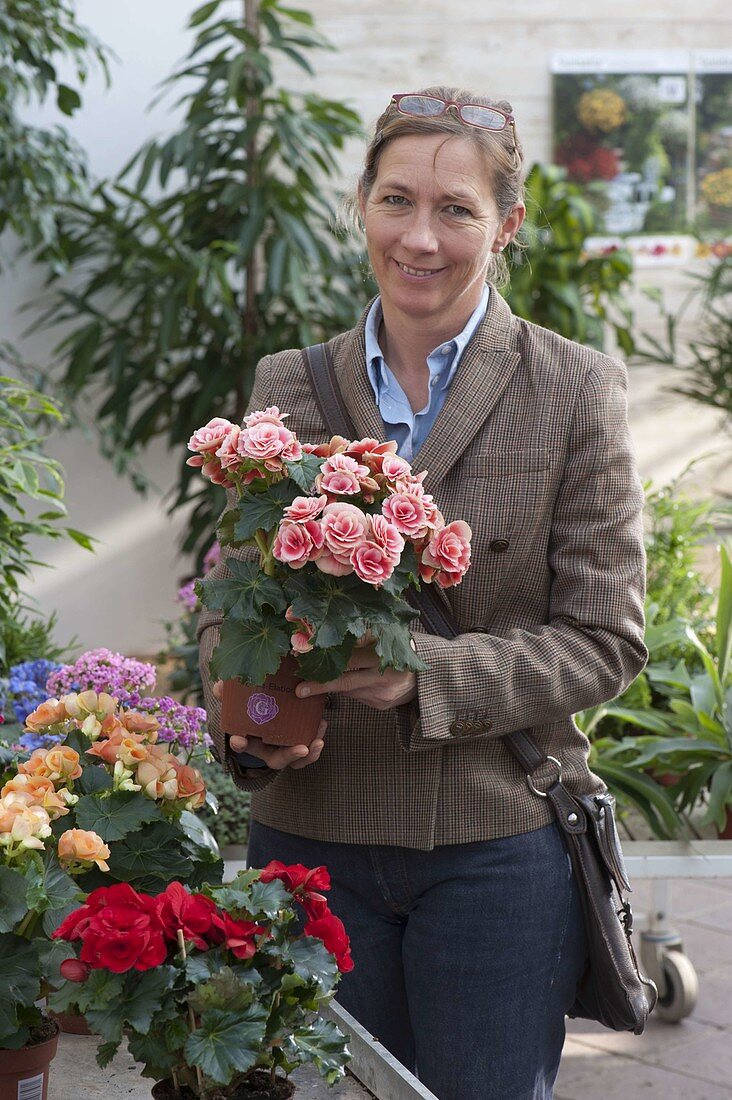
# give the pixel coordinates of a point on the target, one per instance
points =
(431, 223)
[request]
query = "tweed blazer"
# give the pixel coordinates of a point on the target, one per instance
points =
(532, 449)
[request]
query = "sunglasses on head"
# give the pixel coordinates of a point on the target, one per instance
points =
(473, 114)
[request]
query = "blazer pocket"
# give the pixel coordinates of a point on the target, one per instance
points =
(506, 501)
(507, 464)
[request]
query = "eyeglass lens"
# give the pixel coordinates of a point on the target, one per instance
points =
(472, 113)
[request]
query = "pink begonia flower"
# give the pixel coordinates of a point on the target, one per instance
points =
(372, 452)
(212, 470)
(293, 451)
(413, 487)
(372, 564)
(297, 543)
(302, 638)
(387, 536)
(393, 467)
(341, 474)
(227, 453)
(304, 508)
(329, 563)
(407, 512)
(448, 554)
(272, 415)
(344, 527)
(208, 439)
(265, 440)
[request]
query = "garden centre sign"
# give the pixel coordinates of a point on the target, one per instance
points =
(648, 135)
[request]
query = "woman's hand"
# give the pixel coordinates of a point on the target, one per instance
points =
(277, 756)
(363, 681)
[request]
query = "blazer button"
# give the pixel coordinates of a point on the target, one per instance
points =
(498, 546)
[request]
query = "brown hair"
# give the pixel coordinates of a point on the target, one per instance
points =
(501, 151)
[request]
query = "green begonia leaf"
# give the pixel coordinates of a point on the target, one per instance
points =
(394, 649)
(263, 511)
(226, 990)
(305, 470)
(115, 815)
(49, 887)
(227, 1043)
(143, 996)
(13, 906)
(106, 1052)
(323, 665)
(101, 988)
(20, 981)
(150, 858)
(325, 1046)
(94, 778)
(250, 652)
(313, 962)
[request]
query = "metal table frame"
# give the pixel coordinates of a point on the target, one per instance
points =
(661, 946)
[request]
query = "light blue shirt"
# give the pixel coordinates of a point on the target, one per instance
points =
(408, 428)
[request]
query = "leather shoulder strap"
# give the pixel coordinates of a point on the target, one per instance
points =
(436, 618)
(321, 372)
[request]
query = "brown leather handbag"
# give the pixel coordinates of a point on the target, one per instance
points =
(612, 990)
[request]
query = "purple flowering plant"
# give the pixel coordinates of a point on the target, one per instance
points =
(131, 681)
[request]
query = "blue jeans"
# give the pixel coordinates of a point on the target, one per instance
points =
(466, 957)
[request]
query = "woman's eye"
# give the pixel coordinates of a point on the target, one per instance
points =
(395, 200)
(459, 211)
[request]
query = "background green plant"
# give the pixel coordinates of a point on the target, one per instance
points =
(41, 167)
(677, 526)
(554, 283)
(215, 247)
(31, 507)
(690, 735)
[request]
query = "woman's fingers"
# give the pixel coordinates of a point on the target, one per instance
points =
(218, 689)
(278, 757)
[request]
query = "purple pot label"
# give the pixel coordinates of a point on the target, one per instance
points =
(262, 708)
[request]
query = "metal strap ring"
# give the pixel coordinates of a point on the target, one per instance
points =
(543, 794)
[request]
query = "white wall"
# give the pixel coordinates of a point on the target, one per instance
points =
(118, 597)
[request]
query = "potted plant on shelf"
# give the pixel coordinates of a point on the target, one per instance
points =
(100, 797)
(40, 859)
(339, 532)
(691, 736)
(216, 991)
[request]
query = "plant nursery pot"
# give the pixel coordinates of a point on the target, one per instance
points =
(24, 1072)
(272, 712)
(256, 1087)
(72, 1023)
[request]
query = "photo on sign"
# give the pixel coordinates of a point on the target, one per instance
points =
(714, 152)
(624, 137)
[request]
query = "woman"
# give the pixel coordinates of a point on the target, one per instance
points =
(449, 873)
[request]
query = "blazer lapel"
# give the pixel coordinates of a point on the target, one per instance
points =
(486, 367)
(485, 370)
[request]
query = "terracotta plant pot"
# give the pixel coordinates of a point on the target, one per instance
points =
(72, 1023)
(272, 712)
(256, 1087)
(24, 1072)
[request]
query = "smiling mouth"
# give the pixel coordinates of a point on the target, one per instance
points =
(421, 273)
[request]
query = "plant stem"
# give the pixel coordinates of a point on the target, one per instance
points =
(265, 552)
(191, 1014)
(28, 924)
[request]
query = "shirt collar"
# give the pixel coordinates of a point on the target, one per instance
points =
(443, 359)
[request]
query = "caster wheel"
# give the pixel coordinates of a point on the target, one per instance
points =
(682, 988)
